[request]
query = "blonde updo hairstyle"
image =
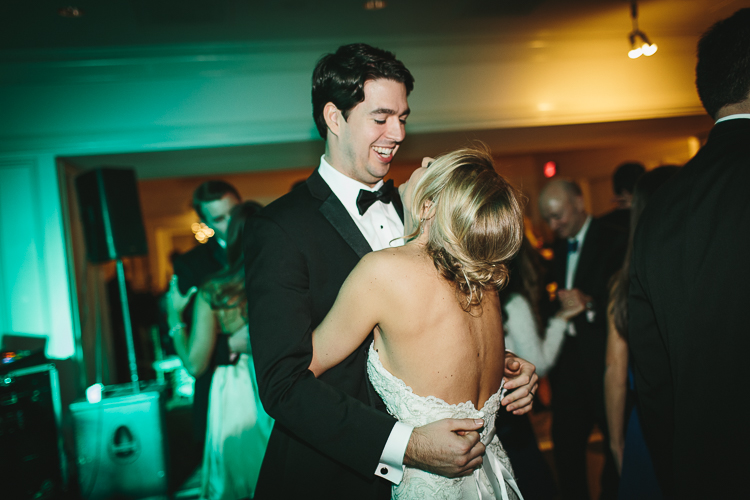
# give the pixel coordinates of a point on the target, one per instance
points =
(476, 221)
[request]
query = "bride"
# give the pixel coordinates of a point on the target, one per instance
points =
(433, 304)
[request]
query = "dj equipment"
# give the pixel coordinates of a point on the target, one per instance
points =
(121, 444)
(32, 457)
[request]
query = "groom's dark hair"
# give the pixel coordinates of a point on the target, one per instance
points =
(340, 78)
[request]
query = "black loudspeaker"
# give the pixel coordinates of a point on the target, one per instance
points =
(32, 460)
(111, 214)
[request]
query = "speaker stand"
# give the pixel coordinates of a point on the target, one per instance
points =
(128, 325)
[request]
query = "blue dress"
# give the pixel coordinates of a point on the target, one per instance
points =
(638, 480)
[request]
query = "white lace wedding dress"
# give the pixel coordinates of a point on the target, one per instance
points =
(494, 479)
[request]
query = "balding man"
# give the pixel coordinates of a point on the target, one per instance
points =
(587, 253)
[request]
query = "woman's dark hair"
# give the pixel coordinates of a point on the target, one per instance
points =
(645, 188)
(226, 289)
(340, 78)
(526, 273)
(626, 176)
(722, 75)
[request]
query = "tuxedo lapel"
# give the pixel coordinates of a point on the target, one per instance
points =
(333, 210)
(340, 219)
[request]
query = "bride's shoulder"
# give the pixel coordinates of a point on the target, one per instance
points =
(386, 262)
(406, 255)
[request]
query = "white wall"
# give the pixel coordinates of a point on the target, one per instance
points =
(34, 293)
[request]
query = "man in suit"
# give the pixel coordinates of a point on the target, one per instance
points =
(623, 184)
(587, 253)
(332, 438)
(212, 201)
(689, 291)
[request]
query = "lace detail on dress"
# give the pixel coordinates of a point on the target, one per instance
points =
(412, 409)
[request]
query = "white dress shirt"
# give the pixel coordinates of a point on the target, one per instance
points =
(733, 117)
(572, 266)
(380, 224)
(382, 227)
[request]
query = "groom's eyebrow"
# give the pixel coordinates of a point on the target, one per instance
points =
(388, 111)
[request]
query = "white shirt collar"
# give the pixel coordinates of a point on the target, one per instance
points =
(345, 188)
(581, 232)
(733, 117)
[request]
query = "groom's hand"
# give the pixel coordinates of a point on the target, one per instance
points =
(522, 382)
(448, 447)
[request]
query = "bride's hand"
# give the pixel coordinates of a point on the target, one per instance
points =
(239, 341)
(448, 447)
(522, 382)
(176, 302)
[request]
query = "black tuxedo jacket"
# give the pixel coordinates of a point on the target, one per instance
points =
(601, 256)
(328, 435)
(689, 335)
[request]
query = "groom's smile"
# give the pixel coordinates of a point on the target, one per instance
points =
(369, 136)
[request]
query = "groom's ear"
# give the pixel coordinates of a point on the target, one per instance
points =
(332, 116)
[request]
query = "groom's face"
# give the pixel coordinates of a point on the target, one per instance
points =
(369, 137)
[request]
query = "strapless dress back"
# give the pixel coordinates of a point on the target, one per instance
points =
(494, 479)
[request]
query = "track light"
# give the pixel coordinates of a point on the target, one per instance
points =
(644, 47)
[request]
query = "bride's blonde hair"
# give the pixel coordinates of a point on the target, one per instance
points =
(476, 221)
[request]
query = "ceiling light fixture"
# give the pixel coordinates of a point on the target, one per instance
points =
(646, 48)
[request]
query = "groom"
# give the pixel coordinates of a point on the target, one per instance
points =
(332, 438)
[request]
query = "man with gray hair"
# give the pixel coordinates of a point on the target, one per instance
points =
(587, 253)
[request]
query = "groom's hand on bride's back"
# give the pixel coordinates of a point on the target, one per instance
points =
(521, 382)
(448, 447)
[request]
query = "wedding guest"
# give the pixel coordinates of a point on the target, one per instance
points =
(637, 479)
(527, 334)
(689, 276)
(623, 184)
(587, 253)
(238, 427)
(532, 336)
(212, 202)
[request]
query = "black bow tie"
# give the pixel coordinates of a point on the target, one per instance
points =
(572, 246)
(385, 194)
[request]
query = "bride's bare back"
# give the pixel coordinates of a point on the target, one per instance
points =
(428, 340)
(471, 221)
(424, 336)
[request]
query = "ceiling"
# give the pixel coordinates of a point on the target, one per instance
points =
(37, 25)
(36, 30)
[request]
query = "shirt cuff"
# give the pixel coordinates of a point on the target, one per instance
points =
(391, 466)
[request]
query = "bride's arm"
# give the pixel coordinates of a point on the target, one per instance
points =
(352, 317)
